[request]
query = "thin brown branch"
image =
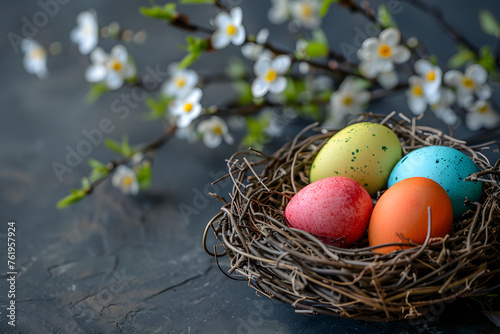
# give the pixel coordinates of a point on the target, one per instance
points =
(221, 6)
(151, 146)
(183, 22)
(436, 13)
(381, 93)
(363, 9)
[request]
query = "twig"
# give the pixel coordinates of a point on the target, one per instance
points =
(381, 93)
(151, 146)
(364, 10)
(182, 22)
(447, 27)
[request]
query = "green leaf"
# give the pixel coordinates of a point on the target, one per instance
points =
(325, 6)
(385, 17)
(461, 58)
(236, 69)
(489, 24)
(157, 107)
(127, 151)
(96, 90)
(191, 2)
(291, 92)
(315, 50)
(75, 196)
(361, 84)
(113, 145)
(122, 148)
(144, 175)
(433, 59)
(320, 37)
(167, 12)
(486, 59)
(294, 90)
(96, 164)
(97, 174)
(188, 60)
(85, 183)
(325, 95)
(311, 111)
(195, 46)
(255, 137)
(99, 170)
(245, 92)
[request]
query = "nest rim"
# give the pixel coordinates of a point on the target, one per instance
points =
(297, 268)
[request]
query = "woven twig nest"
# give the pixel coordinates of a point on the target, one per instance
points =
(295, 267)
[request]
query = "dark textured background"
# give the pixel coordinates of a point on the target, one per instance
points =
(118, 264)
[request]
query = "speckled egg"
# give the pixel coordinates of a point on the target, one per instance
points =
(445, 165)
(335, 209)
(365, 152)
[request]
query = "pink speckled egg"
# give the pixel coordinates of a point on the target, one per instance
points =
(335, 209)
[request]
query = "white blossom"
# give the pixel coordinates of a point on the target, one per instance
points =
(124, 178)
(188, 134)
(431, 75)
(181, 81)
(187, 108)
(305, 13)
(214, 130)
(347, 100)
(229, 29)
(35, 58)
(388, 80)
(112, 69)
(252, 50)
(415, 95)
(473, 81)
(279, 11)
(481, 114)
(86, 33)
(378, 55)
(300, 49)
(270, 75)
(137, 158)
(442, 109)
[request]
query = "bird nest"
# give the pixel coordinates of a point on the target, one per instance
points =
(297, 268)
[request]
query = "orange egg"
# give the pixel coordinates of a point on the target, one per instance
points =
(401, 214)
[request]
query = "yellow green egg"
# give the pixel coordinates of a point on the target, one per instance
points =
(365, 152)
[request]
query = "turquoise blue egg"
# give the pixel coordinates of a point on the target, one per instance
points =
(445, 165)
